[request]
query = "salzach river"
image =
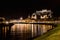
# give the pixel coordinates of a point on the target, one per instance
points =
(23, 31)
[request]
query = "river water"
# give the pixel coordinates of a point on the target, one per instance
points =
(23, 31)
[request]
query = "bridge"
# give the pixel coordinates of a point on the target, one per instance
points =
(36, 22)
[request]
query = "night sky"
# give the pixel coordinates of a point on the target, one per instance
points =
(23, 8)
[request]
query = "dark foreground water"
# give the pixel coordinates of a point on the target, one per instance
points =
(22, 31)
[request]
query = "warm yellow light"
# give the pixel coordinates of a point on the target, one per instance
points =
(7, 22)
(21, 18)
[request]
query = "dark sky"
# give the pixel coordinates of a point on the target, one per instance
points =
(23, 8)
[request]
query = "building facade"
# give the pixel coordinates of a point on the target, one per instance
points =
(43, 14)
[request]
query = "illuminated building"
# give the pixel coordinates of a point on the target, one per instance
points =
(43, 14)
(34, 16)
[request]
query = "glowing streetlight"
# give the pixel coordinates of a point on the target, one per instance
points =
(21, 18)
(6, 22)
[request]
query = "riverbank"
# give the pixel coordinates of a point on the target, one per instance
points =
(51, 35)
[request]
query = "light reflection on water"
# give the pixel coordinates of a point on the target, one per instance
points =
(21, 29)
(26, 31)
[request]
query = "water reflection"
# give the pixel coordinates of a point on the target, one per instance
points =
(21, 31)
(24, 31)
